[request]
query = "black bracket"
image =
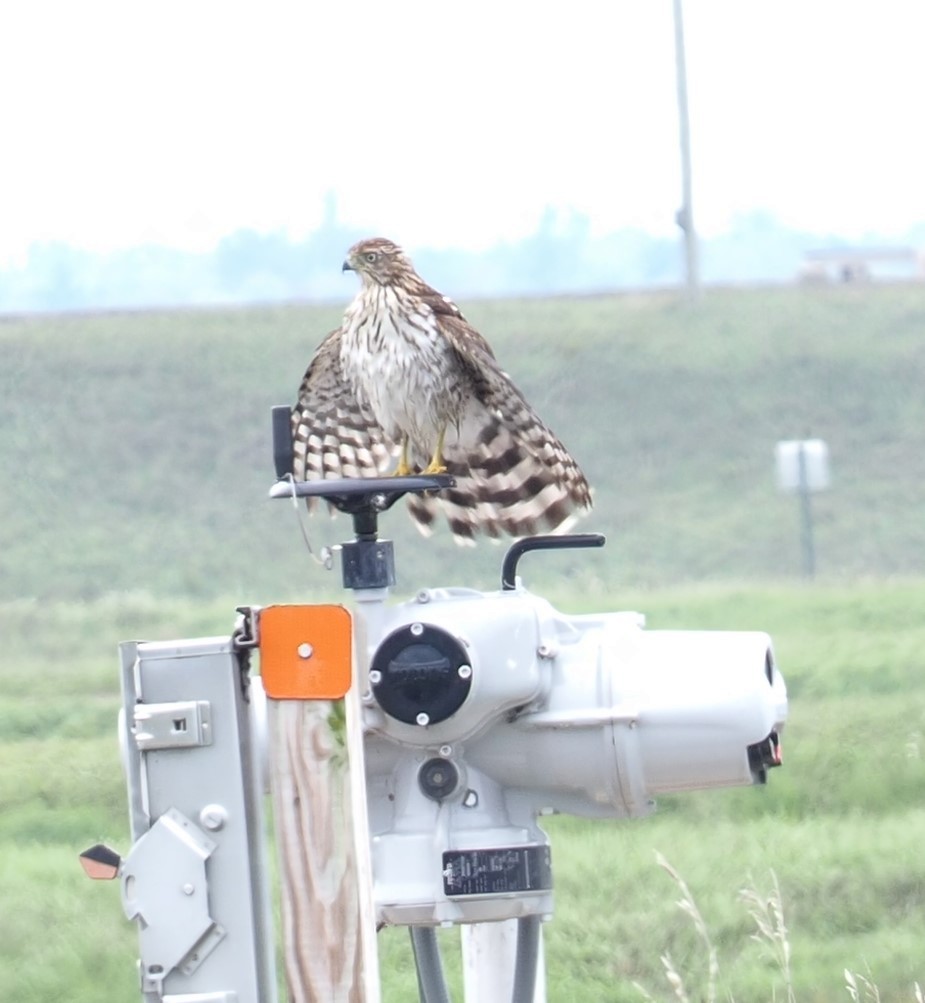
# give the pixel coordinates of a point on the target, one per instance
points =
(362, 497)
(368, 562)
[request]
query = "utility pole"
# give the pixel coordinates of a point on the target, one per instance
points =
(685, 215)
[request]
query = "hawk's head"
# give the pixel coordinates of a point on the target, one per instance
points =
(378, 261)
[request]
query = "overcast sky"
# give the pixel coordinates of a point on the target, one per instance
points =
(447, 124)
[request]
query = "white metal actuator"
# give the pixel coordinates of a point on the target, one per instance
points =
(485, 710)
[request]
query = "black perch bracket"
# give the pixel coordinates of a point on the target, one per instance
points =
(367, 562)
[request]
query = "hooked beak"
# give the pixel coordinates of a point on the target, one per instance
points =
(347, 267)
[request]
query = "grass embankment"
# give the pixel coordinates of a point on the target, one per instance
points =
(136, 450)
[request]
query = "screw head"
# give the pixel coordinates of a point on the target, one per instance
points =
(417, 629)
(213, 817)
(423, 719)
(305, 650)
(464, 671)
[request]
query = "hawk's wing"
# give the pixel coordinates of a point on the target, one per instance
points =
(513, 475)
(333, 433)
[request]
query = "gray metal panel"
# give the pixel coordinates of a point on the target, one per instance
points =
(213, 783)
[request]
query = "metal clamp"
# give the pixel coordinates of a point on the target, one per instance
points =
(183, 724)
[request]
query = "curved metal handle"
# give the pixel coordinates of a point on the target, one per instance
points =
(521, 547)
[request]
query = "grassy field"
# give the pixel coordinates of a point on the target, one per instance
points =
(136, 460)
(841, 825)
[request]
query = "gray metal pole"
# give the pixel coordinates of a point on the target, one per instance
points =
(685, 216)
(808, 546)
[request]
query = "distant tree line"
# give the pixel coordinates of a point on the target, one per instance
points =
(563, 255)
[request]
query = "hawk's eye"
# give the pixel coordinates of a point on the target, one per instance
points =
(371, 256)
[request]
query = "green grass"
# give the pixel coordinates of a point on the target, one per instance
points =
(136, 459)
(842, 824)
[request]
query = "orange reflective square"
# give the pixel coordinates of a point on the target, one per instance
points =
(305, 652)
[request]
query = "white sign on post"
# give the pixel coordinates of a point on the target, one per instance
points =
(807, 473)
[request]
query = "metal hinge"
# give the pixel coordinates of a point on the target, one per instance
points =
(245, 639)
(247, 628)
(184, 724)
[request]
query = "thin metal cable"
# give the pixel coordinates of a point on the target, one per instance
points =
(325, 557)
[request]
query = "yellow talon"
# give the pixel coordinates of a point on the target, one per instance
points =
(436, 465)
(404, 467)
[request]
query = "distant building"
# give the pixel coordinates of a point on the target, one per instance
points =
(861, 264)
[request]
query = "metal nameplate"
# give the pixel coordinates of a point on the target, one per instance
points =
(504, 870)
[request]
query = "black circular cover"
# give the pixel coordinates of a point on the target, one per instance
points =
(418, 665)
(438, 778)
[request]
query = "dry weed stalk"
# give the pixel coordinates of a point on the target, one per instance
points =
(860, 988)
(687, 905)
(767, 911)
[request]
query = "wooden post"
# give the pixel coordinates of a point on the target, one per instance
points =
(328, 926)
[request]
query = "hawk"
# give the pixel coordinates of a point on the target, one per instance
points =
(405, 374)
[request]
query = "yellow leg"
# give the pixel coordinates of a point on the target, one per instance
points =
(436, 465)
(404, 467)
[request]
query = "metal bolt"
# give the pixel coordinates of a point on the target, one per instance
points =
(546, 651)
(188, 889)
(417, 629)
(305, 650)
(423, 596)
(375, 676)
(465, 671)
(379, 500)
(213, 817)
(423, 719)
(446, 751)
